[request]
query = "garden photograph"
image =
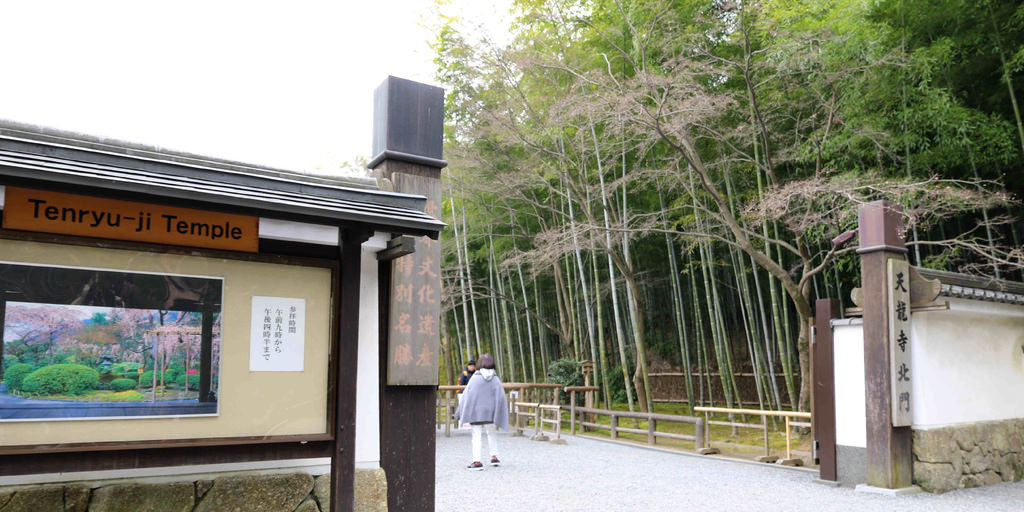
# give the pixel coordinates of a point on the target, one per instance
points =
(94, 361)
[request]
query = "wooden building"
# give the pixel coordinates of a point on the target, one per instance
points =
(281, 283)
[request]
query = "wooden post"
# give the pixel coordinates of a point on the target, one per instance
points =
(651, 427)
(206, 393)
(698, 436)
(407, 146)
(823, 389)
(347, 347)
(572, 412)
(889, 457)
(448, 413)
(614, 423)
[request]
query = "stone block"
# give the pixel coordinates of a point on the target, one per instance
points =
(322, 490)
(1016, 441)
(966, 437)
(936, 445)
(33, 499)
(936, 477)
(76, 498)
(170, 497)
(1000, 434)
(371, 490)
(968, 481)
(990, 478)
(977, 461)
(257, 493)
(309, 506)
(203, 487)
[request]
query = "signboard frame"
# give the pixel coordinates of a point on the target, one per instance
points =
(34, 250)
(900, 363)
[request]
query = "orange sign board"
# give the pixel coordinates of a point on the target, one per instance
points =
(70, 214)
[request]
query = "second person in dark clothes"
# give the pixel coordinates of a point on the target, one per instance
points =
(485, 408)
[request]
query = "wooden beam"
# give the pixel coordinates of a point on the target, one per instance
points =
(889, 456)
(347, 348)
(823, 390)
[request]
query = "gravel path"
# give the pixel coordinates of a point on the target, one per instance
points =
(592, 475)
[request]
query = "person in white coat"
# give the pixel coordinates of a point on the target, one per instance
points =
(485, 408)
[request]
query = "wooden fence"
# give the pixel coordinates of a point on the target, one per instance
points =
(767, 457)
(532, 403)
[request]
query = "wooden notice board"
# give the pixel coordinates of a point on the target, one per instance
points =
(415, 302)
(72, 214)
(898, 285)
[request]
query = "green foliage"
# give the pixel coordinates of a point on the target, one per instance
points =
(616, 388)
(58, 379)
(146, 381)
(15, 375)
(124, 368)
(193, 382)
(565, 372)
(119, 385)
(9, 361)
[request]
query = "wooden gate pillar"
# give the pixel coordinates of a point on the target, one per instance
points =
(889, 457)
(407, 144)
(823, 390)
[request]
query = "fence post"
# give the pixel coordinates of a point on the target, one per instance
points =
(448, 413)
(614, 426)
(767, 457)
(707, 449)
(651, 426)
(539, 424)
(572, 412)
(698, 436)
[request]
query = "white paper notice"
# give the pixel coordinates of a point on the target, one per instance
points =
(278, 334)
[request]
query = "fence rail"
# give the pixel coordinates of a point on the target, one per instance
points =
(767, 457)
(516, 391)
(535, 402)
(652, 424)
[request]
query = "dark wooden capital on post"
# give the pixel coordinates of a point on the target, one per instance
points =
(889, 456)
(407, 144)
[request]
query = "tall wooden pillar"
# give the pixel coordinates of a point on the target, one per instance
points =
(346, 366)
(408, 135)
(889, 457)
(823, 392)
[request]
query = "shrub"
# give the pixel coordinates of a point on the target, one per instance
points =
(124, 368)
(60, 379)
(15, 375)
(118, 385)
(193, 382)
(146, 380)
(565, 372)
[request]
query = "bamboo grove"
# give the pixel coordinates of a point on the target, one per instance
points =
(655, 185)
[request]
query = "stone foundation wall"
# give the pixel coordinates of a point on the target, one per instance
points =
(293, 492)
(968, 455)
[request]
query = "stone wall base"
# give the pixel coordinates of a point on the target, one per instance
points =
(970, 455)
(851, 465)
(292, 492)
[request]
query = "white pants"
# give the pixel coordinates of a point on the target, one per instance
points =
(492, 440)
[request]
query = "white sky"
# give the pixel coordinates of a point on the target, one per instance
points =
(285, 84)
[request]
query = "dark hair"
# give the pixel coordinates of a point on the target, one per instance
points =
(471, 363)
(485, 361)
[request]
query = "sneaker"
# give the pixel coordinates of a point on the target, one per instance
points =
(495, 461)
(476, 466)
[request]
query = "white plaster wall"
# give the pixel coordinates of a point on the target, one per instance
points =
(968, 363)
(848, 353)
(967, 366)
(367, 374)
